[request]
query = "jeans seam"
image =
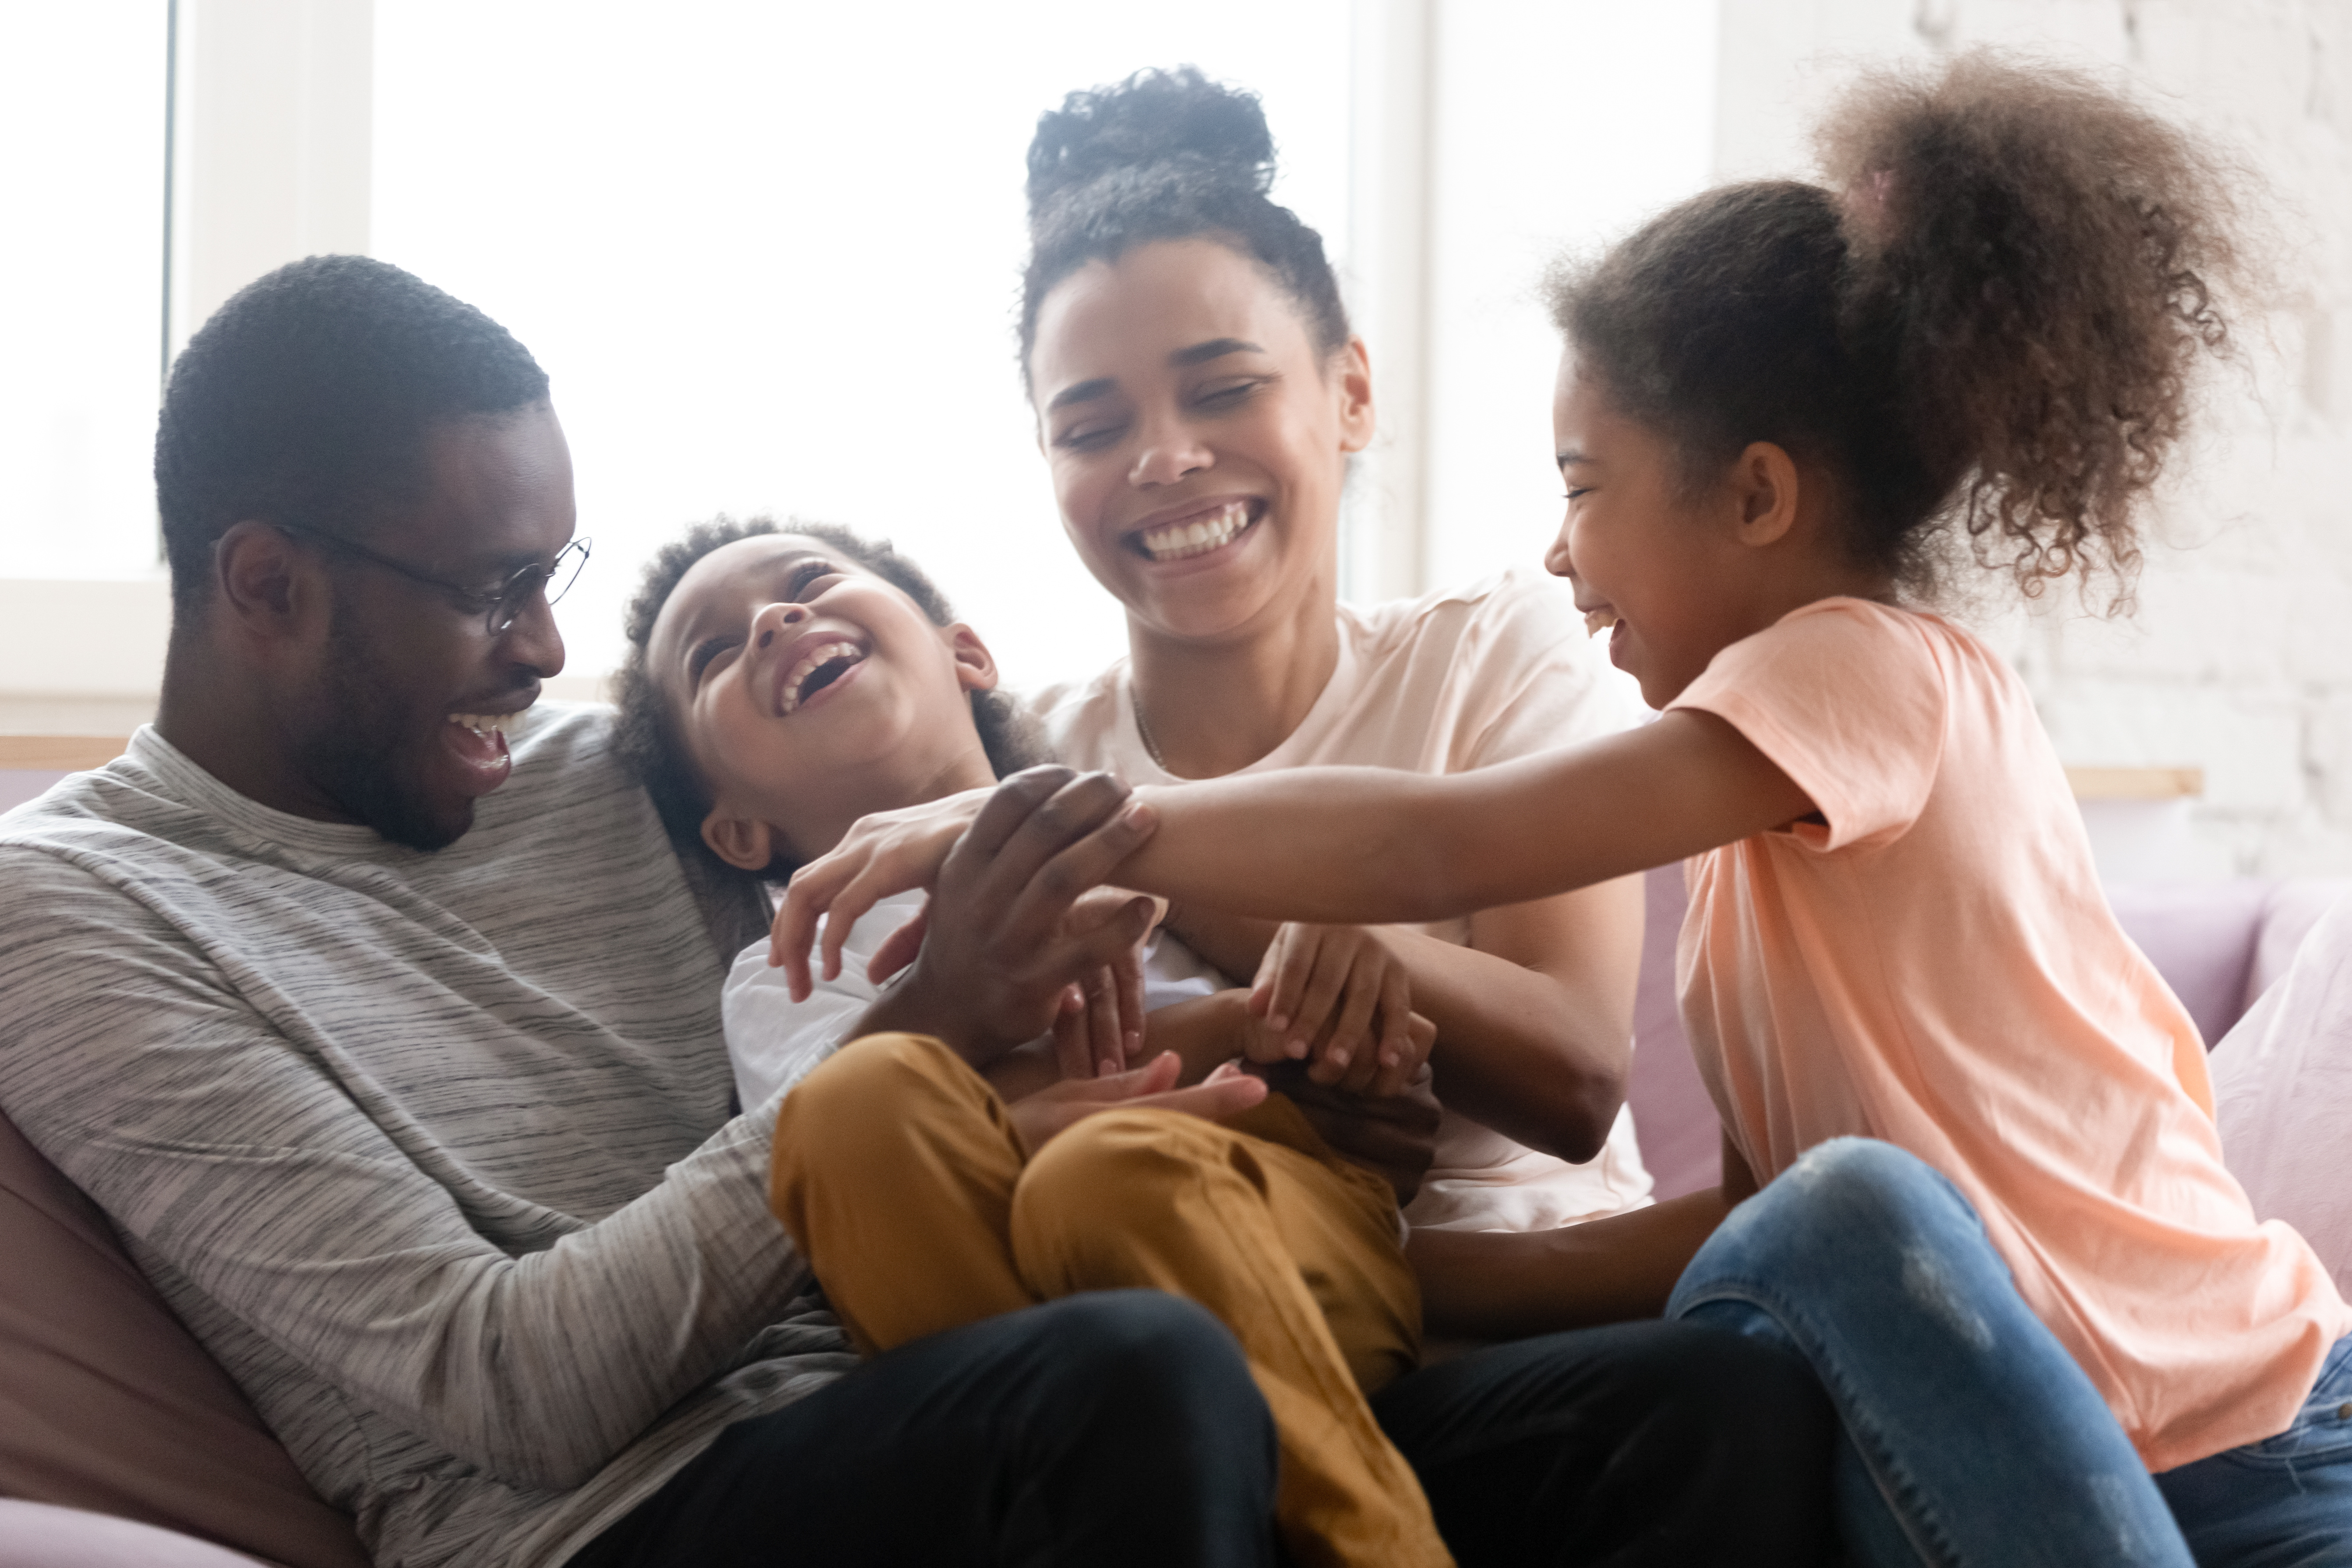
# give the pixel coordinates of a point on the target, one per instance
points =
(1877, 1458)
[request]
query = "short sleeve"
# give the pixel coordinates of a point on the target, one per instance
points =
(1848, 700)
(1550, 684)
(773, 1041)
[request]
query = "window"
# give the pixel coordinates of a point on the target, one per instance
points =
(769, 257)
(82, 116)
(770, 254)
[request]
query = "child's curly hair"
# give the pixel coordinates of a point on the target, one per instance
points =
(1991, 317)
(646, 733)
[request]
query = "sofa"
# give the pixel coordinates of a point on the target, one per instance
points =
(122, 1441)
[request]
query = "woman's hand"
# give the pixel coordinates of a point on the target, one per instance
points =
(1338, 998)
(1038, 1117)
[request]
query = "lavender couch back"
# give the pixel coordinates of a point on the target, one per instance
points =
(2218, 944)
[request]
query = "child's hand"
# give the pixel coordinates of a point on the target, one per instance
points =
(1337, 997)
(1037, 1118)
(888, 852)
(1098, 1030)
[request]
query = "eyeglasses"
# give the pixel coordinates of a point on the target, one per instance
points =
(503, 606)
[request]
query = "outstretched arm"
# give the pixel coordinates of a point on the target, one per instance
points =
(1369, 845)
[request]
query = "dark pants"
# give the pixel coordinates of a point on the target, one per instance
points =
(1121, 1428)
(1666, 1444)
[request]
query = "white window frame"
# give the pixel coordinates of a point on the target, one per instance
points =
(271, 145)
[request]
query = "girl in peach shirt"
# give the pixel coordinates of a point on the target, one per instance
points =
(1993, 1214)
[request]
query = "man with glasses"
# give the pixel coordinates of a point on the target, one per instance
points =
(371, 1003)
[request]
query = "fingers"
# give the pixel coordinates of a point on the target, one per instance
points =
(1353, 1033)
(1039, 904)
(898, 949)
(884, 854)
(1282, 976)
(1073, 1057)
(1033, 818)
(1325, 984)
(1127, 976)
(1420, 1035)
(1103, 1031)
(1088, 953)
(871, 884)
(1154, 1076)
(1010, 804)
(1396, 1032)
(1224, 1092)
(807, 897)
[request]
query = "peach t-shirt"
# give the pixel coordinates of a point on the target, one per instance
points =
(1936, 967)
(1460, 679)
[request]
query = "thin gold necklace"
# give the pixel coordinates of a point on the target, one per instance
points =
(1150, 746)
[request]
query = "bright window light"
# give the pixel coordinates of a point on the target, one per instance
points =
(770, 255)
(1564, 123)
(82, 111)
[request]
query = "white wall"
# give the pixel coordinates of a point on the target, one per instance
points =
(2237, 660)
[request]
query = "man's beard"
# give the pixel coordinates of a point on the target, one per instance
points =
(357, 751)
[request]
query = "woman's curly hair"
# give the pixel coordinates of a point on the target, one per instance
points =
(1988, 320)
(647, 735)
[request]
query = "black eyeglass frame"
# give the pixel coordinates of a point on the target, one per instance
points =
(502, 607)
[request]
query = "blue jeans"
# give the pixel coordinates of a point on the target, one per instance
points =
(2285, 1502)
(1970, 1438)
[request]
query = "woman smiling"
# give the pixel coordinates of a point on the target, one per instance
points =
(1198, 397)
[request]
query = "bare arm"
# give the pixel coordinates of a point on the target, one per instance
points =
(1504, 1285)
(1534, 1016)
(1364, 845)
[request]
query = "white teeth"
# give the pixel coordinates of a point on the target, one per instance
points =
(1599, 621)
(1176, 541)
(810, 662)
(483, 724)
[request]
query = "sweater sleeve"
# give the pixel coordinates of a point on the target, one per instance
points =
(341, 1232)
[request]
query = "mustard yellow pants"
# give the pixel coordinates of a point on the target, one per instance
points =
(898, 1174)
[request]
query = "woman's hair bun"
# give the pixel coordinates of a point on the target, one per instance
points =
(1154, 117)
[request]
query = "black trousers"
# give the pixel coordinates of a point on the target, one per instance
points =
(1121, 1429)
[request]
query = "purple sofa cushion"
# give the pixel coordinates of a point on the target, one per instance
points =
(2202, 937)
(108, 1403)
(1681, 1137)
(2217, 944)
(38, 1535)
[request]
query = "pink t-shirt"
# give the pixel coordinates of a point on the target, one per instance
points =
(1936, 966)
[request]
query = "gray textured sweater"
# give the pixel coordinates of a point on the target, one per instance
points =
(432, 1150)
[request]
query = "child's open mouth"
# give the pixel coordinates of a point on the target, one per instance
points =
(1196, 535)
(817, 670)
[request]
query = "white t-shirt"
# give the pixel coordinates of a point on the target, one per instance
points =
(1456, 679)
(2282, 1095)
(773, 1042)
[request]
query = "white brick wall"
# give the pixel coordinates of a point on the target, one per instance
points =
(2240, 657)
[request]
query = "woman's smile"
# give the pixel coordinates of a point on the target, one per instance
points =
(1195, 531)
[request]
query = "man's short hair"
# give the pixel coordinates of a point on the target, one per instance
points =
(306, 399)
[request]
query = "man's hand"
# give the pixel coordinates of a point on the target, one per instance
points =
(1392, 1136)
(888, 852)
(999, 947)
(1038, 1117)
(1335, 997)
